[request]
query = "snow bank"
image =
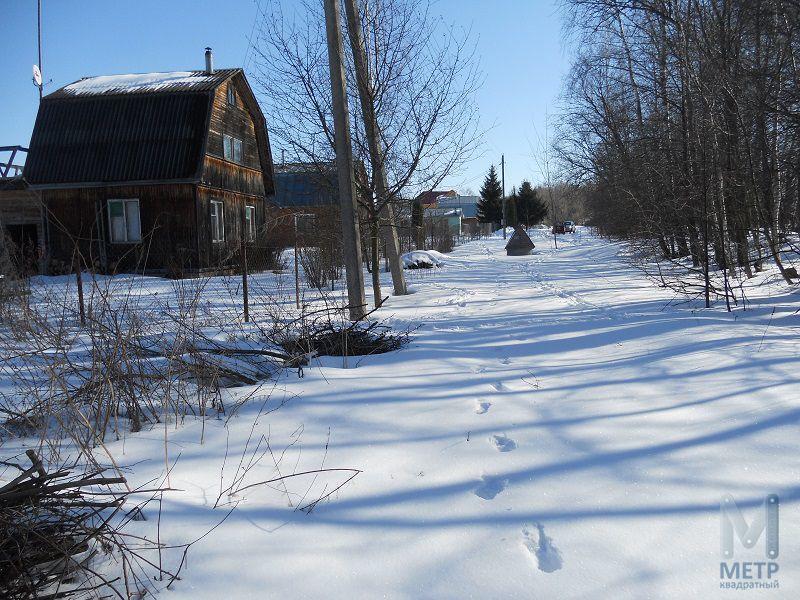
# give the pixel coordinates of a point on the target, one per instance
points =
(417, 259)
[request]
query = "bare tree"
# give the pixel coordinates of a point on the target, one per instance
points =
(419, 78)
(682, 117)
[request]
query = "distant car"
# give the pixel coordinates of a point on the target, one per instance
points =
(569, 227)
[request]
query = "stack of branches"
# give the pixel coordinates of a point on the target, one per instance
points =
(51, 525)
(320, 335)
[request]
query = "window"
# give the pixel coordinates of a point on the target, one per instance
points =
(231, 95)
(123, 221)
(250, 222)
(232, 148)
(217, 221)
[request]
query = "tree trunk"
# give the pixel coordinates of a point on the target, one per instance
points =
(372, 130)
(344, 163)
(391, 246)
(376, 269)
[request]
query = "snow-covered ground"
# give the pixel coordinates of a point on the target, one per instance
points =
(556, 429)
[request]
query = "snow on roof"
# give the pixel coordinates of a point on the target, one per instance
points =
(443, 212)
(144, 82)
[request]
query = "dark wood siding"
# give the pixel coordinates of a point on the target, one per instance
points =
(237, 122)
(226, 254)
(78, 218)
(221, 174)
(21, 209)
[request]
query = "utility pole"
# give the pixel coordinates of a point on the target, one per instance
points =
(344, 164)
(391, 243)
(503, 177)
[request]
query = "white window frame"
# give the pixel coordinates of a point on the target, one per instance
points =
(230, 145)
(124, 202)
(231, 94)
(217, 210)
(250, 222)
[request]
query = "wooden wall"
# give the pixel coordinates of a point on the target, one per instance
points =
(79, 217)
(236, 121)
(19, 207)
(237, 185)
(325, 223)
(23, 207)
(226, 254)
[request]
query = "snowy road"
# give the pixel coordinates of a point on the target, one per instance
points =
(555, 430)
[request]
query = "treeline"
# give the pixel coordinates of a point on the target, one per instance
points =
(682, 116)
(524, 206)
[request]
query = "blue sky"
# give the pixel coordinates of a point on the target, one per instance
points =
(519, 44)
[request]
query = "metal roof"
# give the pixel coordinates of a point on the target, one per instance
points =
(467, 204)
(103, 138)
(431, 196)
(132, 129)
(307, 186)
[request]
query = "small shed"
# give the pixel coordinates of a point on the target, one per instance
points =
(21, 226)
(520, 243)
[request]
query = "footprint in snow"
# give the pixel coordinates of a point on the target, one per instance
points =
(541, 548)
(505, 360)
(503, 443)
(482, 408)
(490, 487)
(499, 386)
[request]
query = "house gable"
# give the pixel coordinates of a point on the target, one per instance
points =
(243, 123)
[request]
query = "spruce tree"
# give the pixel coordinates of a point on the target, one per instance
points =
(417, 214)
(490, 206)
(512, 216)
(531, 210)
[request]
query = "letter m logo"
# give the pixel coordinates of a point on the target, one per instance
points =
(732, 520)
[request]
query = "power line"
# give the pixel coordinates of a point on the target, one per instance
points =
(247, 52)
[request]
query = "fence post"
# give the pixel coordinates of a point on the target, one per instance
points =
(296, 267)
(243, 237)
(79, 281)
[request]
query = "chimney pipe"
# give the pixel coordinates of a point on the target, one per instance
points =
(209, 62)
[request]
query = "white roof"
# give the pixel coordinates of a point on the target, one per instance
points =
(139, 82)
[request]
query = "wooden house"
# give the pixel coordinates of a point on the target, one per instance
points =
(310, 192)
(161, 172)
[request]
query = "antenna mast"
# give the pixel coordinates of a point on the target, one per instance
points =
(39, 39)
